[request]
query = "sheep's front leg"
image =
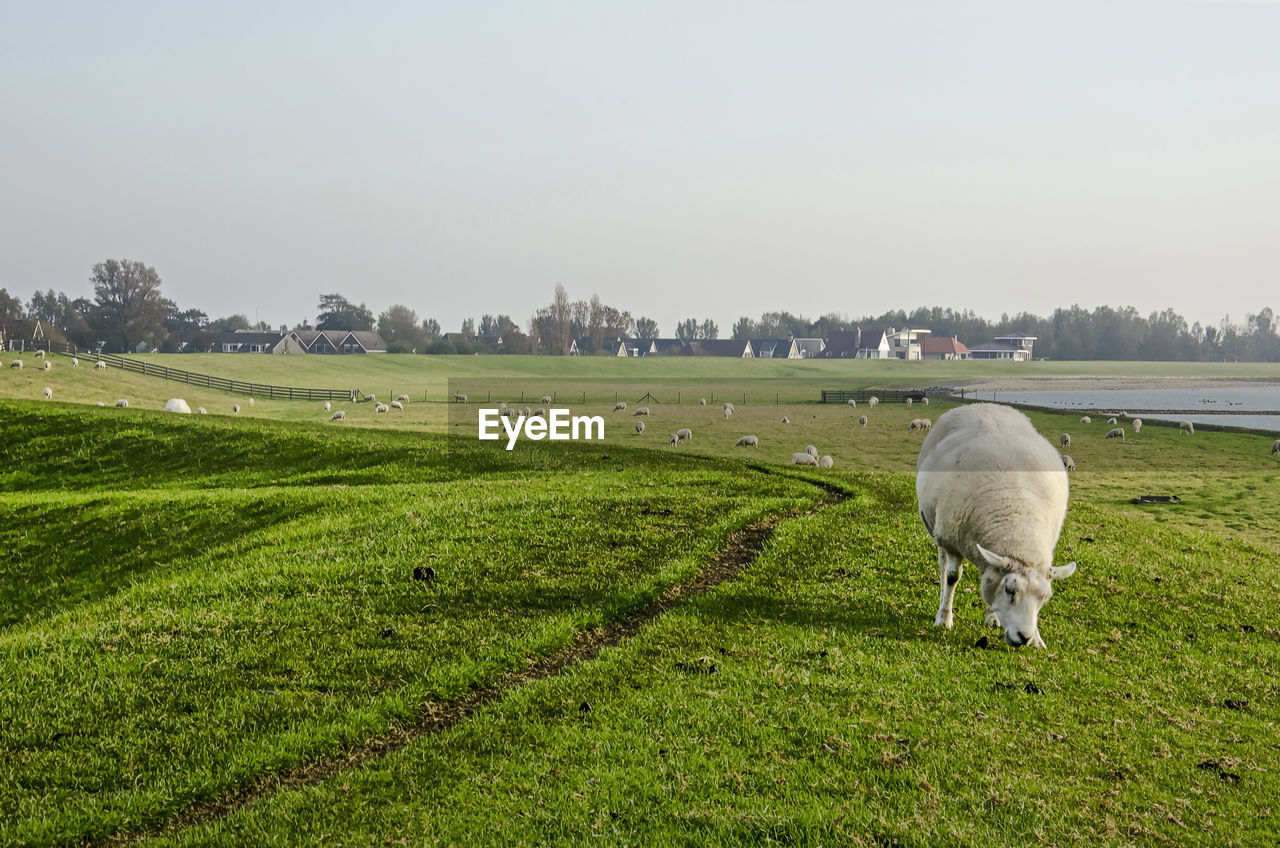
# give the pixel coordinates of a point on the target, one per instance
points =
(992, 619)
(949, 567)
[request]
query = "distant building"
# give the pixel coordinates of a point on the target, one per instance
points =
(738, 348)
(1013, 346)
(653, 347)
(299, 341)
(906, 344)
(809, 348)
(943, 347)
(774, 348)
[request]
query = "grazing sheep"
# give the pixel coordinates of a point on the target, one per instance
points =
(48, 366)
(1068, 463)
(502, 406)
(381, 408)
(702, 401)
(862, 419)
(853, 403)
(640, 410)
(621, 405)
(1111, 421)
(101, 365)
(39, 354)
(340, 415)
(804, 459)
(546, 399)
(913, 424)
(395, 404)
(872, 401)
(811, 450)
(1137, 425)
(1115, 433)
(754, 442)
(201, 410)
(460, 397)
(100, 403)
(926, 424)
(684, 434)
(786, 420)
(728, 413)
(75, 362)
(235, 408)
(540, 412)
(925, 401)
(251, 401)
(908, 403)
(1124, 414)
(639, 428)
(48, 393)
(177, 405)
(1187, 427)
(527, 412)
(1086, 420)
(826, 461)
(17, 363)
(1065, 440)
(327, 406)
(1275, 447)
(994, 491)
(122, 403)
(403, 398)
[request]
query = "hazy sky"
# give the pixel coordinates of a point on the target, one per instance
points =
(680, 159)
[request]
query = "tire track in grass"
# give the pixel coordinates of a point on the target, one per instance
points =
(731, 560)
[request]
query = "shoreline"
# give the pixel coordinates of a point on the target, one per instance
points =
(1067, 384)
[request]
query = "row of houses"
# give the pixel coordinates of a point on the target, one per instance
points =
(299, 341)
(891, 343)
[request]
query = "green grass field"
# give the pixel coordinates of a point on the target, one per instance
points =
(196, 613)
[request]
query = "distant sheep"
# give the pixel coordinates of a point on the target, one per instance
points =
(251, 401)
(340, 415)
(862, 419)
(908, 403)
(75, 363)
(460, 397)
(621, 405)
(826, 462)
(639, 428)
(1187, 427)
(403, 398)
(754, 442)
(327, 406)
(177, 405)
(100, 403)
(1111, 421)
(1068, 463)
(925, 401)
(640, 410)
(921, 424)
(786, 420)
(811, 450)
(39, 354)
(804, 459)
(101, 365)
(395, 404)
(1137, 425)
(1065, 440)
(48, 393)
(201, 410)
(728, 413)
(853, 403)
(993, 491)
(381, 408)
(1086, 420)
(235, 408)
(684, 434)
(1115, 433)
(546, 399)
(122, 403)
(702, 401)
(48, 366)
(17, 363)
(873, 401)
(1275, 447)
(540, 412)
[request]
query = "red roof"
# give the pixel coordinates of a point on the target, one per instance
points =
(942, 345)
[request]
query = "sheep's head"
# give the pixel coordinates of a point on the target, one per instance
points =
(1015, 592)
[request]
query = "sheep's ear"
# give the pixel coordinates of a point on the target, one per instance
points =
(1058, 572)
(994, 558)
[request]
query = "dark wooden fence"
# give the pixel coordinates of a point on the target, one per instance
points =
(862, 396)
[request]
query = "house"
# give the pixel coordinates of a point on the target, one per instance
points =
(857, 344)
(653, 347)
(362, 341)
(774, 348)
(943, 347)
(841, 344)
(906, 343)
(252, 341)
(739, 348)
(1012, 346)
(809, 348)
(1021, 341)
(319, 341)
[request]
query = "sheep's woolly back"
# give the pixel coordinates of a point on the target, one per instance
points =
(748, 442)
(804, 459)
(985, 476)
(177, 405)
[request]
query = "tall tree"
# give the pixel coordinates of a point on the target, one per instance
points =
(129, 304)
(431, 327)
(646, 328)
(338, 313)
(398, 326)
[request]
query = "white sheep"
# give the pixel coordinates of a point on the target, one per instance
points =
(39, 354)
(853, 403)
(381, 408)
(75, 362)
(100, 403)
(251, 401)
(804, 459)
(48, 393)
(177, 405)
(1065, 440)
(201, 410)
(826, 461)
(873, 401)
(754, 442)
(862, 419)
(1111, 422)
(1115, 433)
(684, 434)
(728, 413)
(122, 403)
(913, 424)
(1187, 427)
(373, 398)
(340, 415)
(526, 412)
(540, 412)
(811, 450)
(327, 406)
(460, 397)
(640, 410)
(702, 401)
(100, 365)
(395, 404)
(17, 363)
(925, 401)
(1086, 420)
(403, 398)
(908, 403)
(620, 406)
(926, 424)
(729, 407)
(502, 406)
(786, 420)
(235, 408)
(1068, 463)
(639, 428)
(546, 399)
(1275, 447)
(994, 491)
(1137, 425)
(48, 366)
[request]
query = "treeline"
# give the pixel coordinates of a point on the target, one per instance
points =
(127, 310)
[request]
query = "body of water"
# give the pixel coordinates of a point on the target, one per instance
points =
(1202, 406)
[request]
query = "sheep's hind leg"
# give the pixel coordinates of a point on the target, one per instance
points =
(949, 567)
